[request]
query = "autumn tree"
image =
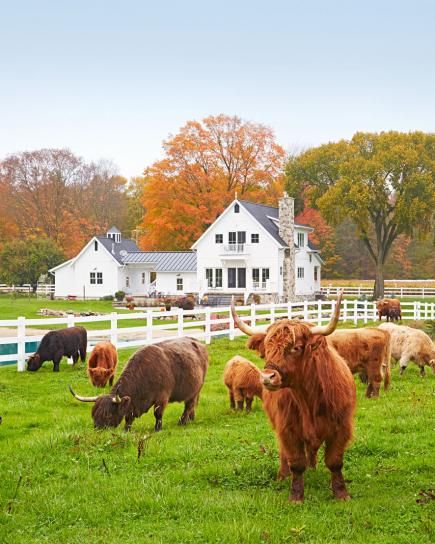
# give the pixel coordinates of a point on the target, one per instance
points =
(205, 164)
(23, 261)
(55, 194)
(384, 183)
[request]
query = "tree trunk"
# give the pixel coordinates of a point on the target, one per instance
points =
(378, 290)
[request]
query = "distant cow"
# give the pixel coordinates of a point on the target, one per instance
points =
(366, 351)
(242, 379)
(390, 308)
(170, 371)
(70, 342)
(102, 364)
(408, 344)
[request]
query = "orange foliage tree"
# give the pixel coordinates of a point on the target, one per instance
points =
(205, 164)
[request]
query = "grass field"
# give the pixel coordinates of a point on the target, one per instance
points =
(212, 481)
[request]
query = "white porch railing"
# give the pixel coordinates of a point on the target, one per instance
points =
(149, 329)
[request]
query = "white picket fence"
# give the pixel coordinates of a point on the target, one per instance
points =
(402, 292)
(42, 289)
(187, 323)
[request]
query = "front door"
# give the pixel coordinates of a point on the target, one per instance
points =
(236, 278)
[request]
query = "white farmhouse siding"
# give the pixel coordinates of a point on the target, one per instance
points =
(168, 283)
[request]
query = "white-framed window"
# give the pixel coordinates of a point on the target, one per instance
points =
(127, 281)
(255, 238)
(143, 278)
(95, 245)
(99, 278)
(209, 277)
(301, 272)
(256, 275)
(219, 238)
(316, 273)
(236, 208)
(92, 278)
(232, 237)
(218, 277)
(179, 284)
(301, 239)
(311, 257)
(265, 274)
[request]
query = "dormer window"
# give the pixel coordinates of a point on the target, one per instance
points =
(114, 235)
(301, 239)
(236, 208)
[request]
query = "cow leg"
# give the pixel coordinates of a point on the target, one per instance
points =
(249, 404)
(422, 371)
(403, 363)
(239, 398)
(334, 452)
(189, 412)
(293, 451)
(159, 408)
(232, 402)
(111, 380)
(75, 358)
(129, 418)
(375, 381)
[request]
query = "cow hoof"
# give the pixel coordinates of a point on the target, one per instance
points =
(296, 500)
(342, 496)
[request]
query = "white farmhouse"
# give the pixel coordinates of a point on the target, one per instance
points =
(256, 249)
(249, 249)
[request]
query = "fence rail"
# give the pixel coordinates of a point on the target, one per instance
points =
(41, 289)
(423, 292)
(202, 323)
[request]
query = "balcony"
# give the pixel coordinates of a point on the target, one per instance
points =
(234, 249)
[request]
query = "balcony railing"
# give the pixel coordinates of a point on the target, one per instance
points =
(234, 248)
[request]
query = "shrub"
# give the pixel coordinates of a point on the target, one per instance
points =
(119, 295)
(107, 297)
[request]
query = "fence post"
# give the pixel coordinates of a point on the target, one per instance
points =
(252, 314)
(319, 312)
(375, 312)
(355, 312)
(21, 341)
(180, 322)
(114, 328)
(365, 311)
(345, 309)
(231, 325)
(70, 323)
(149, 325)
(415, 310)
(289, 310)
(272, 313)
(423, 292)
(305, 310)
(207, 325)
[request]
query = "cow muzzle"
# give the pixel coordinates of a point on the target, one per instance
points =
(271, 379)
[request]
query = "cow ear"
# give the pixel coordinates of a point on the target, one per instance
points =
(256, 342)
(125, 404)
(315, 342)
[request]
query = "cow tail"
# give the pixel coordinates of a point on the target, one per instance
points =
(387, 364)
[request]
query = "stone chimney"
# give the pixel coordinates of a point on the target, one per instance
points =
(287, 233)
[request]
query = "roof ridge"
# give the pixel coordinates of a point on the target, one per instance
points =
(257, 204)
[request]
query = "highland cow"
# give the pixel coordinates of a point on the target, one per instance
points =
(309, 397)
(102, 364)
(170, 371)
(242, 379)
(70, 342)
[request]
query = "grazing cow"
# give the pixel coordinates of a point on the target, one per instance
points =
(389, 307)
(309, 397)
(170, 371)
(366, 351)
(408, 344)
(242, 379)
(70, 342)
(102, 364)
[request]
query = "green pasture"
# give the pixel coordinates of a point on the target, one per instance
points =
(212, 481)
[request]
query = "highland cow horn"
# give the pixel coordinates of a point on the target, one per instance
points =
(82, 399)
(330, 327)
(117, 399)
(238, 322)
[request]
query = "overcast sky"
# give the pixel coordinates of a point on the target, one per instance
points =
(112, 79)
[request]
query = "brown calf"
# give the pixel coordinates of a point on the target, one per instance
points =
(102, 364)
(243, 381)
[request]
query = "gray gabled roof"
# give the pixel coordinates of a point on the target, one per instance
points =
(267, 216)
(117, 249)
(114, 230)
(165, 261)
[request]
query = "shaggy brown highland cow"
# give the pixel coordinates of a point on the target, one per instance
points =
(102, 364)
(310, 397)
(243, 381)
